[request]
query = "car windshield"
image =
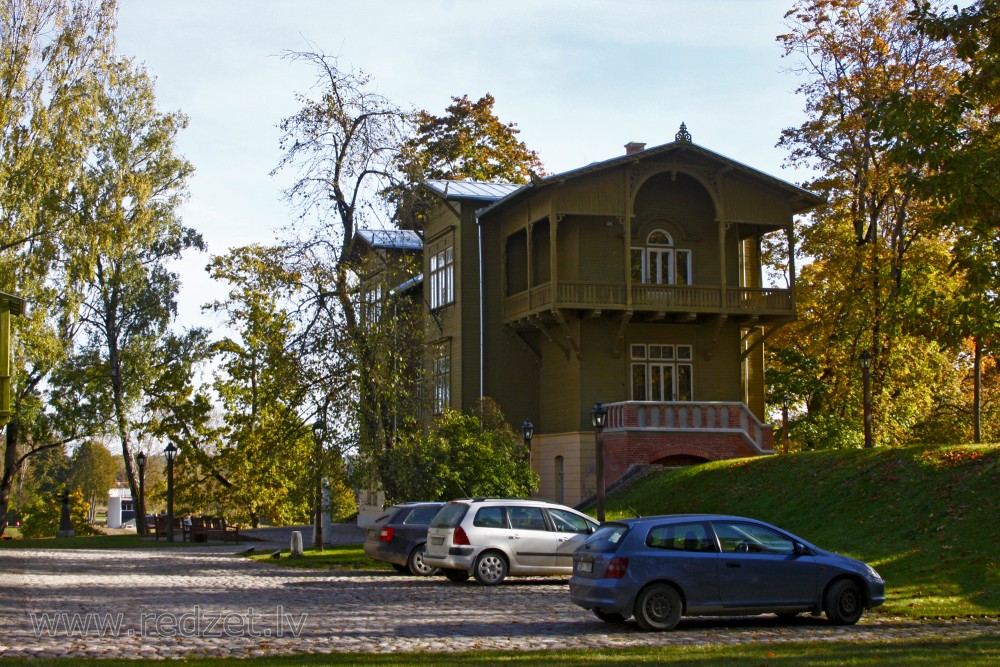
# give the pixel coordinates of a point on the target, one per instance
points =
(606, 539)
(450, 515)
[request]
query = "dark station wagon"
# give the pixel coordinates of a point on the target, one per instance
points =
(661, 568)
(398, 537)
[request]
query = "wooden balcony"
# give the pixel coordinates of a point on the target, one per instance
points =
(683, 300)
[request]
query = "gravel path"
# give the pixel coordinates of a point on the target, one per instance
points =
(166, 603)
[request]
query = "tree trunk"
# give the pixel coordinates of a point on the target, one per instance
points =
(977, 416)
(9, 470)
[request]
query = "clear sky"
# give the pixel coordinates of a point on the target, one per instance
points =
(580, 78)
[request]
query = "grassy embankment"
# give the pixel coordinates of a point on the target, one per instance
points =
(924, 517)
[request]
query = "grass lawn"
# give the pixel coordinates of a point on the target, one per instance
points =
(976, 652)
(334, 557)
(924, 517)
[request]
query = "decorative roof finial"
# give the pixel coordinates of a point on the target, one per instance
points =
(683, 134)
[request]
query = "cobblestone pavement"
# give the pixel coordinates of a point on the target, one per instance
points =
(163, 603)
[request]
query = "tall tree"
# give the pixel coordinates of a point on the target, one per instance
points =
(130, 192)
(344, 146)
(268, 445)
(879, 268)
(52, 54)
(956, 141)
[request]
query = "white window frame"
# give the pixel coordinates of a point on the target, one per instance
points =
(442, 277)
(441, 377)
(655, 254)
(654, 361)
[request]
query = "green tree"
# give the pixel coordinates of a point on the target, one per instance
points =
(52, 53)
(464, 455)
(92, 472)
(267, 448)
(877, 276)
(956, 143)
(129, 192)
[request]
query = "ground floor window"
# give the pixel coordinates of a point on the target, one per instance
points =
(661, 372)
(441, 377)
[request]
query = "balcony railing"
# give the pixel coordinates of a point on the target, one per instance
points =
(688, 416)
(650, 298)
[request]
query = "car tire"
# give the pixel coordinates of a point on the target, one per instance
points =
(490, 568)
(458, 576)
(608, 616)
(844, 604)
(416, 563)
(658, 607)
(402, 569)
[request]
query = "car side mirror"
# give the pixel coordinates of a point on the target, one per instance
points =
(803, 550)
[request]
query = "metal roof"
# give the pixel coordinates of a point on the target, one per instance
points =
(394, 239)
(412, 282)
(477, 190)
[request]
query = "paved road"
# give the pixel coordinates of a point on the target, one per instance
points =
(202, 601)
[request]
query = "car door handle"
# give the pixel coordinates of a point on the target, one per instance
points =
(732, 564)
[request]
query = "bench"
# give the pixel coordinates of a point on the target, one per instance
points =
(206, 528)
(162, 527)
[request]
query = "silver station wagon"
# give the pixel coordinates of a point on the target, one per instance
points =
(661, 568)
(490, 538)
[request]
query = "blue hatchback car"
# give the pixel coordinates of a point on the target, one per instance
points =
(661, 568)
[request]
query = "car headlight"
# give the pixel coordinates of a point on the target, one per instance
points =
(871, 575)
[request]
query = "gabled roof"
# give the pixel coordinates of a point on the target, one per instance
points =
(805, 199)
(391, 239)
(474, 190)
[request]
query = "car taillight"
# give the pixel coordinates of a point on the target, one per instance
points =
(616, 568)
(385, 535)
(459, 537)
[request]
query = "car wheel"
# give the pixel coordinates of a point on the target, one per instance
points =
(417, 565)
(608, 616)
(844, 603)
(658, 607)
(458, 576)
(402, 569)
(490, 568)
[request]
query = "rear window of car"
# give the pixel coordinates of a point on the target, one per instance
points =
(421, 516)
(606, 539)
(680, 537)
(450, 515)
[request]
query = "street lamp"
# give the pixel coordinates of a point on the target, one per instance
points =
(866, 360)
(170, 453)
(598, 417)
(527, 432)
(140, 509)
(319, 428)
(786, 400)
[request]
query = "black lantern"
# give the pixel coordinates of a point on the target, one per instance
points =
(786, 401)
(140, 509)
(599, 417)
(170, 453)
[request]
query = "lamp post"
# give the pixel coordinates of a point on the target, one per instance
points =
(786, 400)
(140, 507)
(170, 453)
(319, 428)
(598, 417)
(866, 360)
(527, 432)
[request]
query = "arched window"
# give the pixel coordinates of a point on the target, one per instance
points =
(659, 262)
